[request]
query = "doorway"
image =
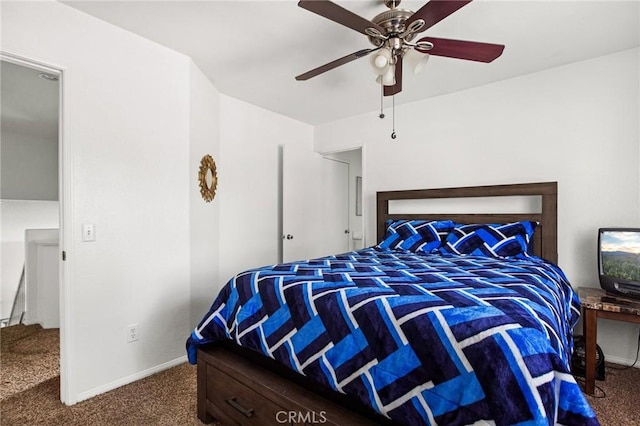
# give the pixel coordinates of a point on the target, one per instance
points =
(303, 220)
(31, 192)
(355, 211)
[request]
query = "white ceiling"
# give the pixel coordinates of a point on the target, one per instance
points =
(252, 50)
(29, 104)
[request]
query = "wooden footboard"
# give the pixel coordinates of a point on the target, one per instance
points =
(234, 390)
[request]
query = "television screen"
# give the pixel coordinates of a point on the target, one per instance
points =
(619, 260)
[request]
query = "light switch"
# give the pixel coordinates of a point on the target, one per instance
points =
(88, 232)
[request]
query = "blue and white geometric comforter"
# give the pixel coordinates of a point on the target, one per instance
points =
(420, 338)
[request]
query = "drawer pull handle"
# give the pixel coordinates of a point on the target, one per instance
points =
(247, 412)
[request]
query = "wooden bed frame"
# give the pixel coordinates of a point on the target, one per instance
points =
(237, 386)
(545, 241)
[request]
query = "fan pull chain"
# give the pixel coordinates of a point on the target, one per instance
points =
(393, 117)
(393, 111)
(381, 101)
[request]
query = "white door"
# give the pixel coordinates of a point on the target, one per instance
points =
(335, 234)
(302, 199)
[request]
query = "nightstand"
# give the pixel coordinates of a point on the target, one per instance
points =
(596, 303)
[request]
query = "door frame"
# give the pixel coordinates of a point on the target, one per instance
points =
(65, 214)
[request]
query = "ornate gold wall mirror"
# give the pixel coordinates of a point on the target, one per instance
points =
(208, 178)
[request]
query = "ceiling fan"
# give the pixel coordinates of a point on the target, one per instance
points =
(392, 33)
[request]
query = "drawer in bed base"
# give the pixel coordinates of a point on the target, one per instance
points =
(232, 390)
(232, 400)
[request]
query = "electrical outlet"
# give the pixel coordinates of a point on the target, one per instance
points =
(132, 333)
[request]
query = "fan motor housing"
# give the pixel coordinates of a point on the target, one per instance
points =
(393, 21)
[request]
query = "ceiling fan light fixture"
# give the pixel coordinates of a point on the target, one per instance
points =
(415, 60)
(381, 61)
(389, 77)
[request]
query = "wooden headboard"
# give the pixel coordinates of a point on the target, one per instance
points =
(545, 238)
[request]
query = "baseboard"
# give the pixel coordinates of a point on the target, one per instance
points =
(622, 361)
(130, 379)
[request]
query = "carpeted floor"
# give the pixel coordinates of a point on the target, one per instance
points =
(30, 348)
(31, 390)
(617, 398)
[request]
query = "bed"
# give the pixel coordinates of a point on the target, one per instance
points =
(450, 319)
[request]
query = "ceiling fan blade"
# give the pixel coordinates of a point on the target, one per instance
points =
(339, 14)
(435, 11)
(461, 49)
(397, 88)
(334, 64)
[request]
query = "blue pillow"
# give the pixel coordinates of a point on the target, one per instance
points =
(491, 240)
(415, 235)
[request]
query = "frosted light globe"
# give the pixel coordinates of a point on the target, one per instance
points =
(381, 61)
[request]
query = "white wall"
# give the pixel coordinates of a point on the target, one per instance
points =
(577, 125)
(205, 217)
(249, 185)
(127, 135)
(29, 166)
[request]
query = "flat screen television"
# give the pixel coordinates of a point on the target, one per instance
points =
(619, 261)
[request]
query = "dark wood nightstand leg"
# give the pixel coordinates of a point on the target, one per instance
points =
(590, 332)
